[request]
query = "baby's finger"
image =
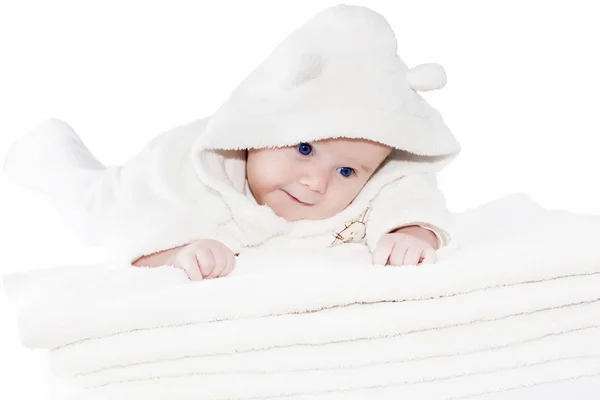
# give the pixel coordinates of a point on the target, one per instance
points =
(383, 250)
(230, 263)
(189, 264)
(205, 261)
(220, 259)
(413, 255)
(398, 254)
(429, 256)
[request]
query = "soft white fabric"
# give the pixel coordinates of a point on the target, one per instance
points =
(518, 305)
(338, 75)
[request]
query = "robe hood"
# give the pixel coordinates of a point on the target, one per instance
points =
(338, 75)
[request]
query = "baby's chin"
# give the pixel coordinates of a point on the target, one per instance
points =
(299, 213)
(287, 209)
(293, 216)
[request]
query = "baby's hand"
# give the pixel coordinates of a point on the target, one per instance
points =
(400, 248)
(204, 259)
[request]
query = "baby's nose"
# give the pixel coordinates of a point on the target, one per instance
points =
(315, 181)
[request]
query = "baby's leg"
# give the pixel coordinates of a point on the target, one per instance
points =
(49, 159)
(52, 160)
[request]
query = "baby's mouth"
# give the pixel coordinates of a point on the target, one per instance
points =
(295, 199)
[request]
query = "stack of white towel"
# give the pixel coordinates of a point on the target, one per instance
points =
(518, 305)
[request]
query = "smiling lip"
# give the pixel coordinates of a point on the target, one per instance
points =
(296, 200)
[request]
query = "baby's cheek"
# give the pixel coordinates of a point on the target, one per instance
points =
(265, 181)
(352, 190)
(340, 198)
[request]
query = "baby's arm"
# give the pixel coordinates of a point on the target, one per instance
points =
(426, 235)
(410, 216)
(200, 259)
(158, 259)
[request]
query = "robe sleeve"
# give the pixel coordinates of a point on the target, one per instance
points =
(412, 200)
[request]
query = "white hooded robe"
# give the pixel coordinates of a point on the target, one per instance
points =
(338, 75)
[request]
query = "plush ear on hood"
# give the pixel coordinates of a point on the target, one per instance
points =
(425, 77)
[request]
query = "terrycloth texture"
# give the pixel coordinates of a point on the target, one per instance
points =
(338, 75)
(518, 305)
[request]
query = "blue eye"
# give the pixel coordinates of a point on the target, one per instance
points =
(305, 149)
(346, 172)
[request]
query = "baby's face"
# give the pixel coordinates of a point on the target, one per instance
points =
(313, 180)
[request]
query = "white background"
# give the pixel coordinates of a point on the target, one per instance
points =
(522, 98)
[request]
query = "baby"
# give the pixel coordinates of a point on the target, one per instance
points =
(327, 142)
(310, 181)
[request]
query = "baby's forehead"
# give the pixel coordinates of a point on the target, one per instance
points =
(358, 150)
(348, 141)
(351, 144)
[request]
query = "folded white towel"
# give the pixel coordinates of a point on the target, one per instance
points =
(519, 304)
(408, 328)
